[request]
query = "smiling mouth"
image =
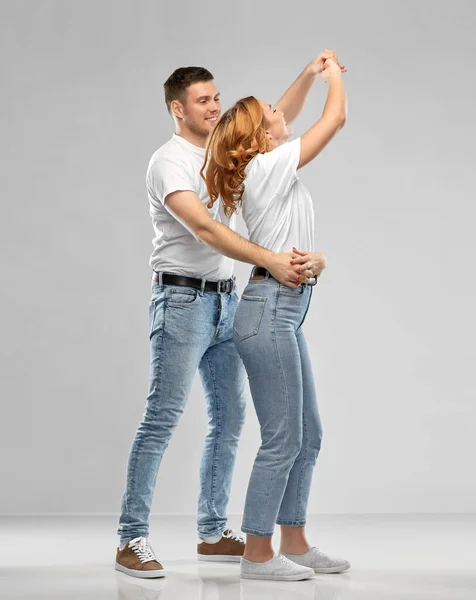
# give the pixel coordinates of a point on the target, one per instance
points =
(212, 119)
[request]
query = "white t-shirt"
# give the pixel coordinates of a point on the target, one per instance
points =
(277, 208)
(175, 166)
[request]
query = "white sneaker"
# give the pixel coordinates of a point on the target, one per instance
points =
(279, 568)
(320, 562)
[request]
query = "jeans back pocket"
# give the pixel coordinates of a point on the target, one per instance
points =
(248, 316)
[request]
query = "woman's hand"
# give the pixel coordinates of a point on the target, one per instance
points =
(318, 64)
(331, 69)
(311, 264)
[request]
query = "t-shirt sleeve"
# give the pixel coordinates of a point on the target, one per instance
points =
(166, 176)
(281, 166)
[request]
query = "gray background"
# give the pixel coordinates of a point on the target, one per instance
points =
(391, 328)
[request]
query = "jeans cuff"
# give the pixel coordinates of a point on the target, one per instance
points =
(256, 531)
(211, 533)
(131, 537)
(291, 523)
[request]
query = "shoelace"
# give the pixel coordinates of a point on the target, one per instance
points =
(234, 535)
(284, 559)
(142, 548)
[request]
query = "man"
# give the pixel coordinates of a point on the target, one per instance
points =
(191, 319)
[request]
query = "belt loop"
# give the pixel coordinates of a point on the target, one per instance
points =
(267, 275)
(161, 281)
(202, 289)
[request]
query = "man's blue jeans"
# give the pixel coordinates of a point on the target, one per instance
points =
(269, 339)
(189, 329)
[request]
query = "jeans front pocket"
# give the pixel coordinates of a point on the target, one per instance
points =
(285, 290)
(180, 296)
(248, 316)
(156, 311)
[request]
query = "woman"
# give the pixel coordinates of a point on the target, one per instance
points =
(251, 166)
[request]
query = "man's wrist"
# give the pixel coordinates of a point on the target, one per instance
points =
(266, 257)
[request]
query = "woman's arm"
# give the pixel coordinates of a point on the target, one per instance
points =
(293, 100)
(333, 116)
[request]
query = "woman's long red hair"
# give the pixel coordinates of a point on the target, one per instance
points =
(238, 137)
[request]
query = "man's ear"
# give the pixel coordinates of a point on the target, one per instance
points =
(176, 108)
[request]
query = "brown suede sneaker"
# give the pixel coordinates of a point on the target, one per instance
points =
(230, 548)
(137, 559)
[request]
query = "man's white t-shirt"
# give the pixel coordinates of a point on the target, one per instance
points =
(175, 166)
(276, 206)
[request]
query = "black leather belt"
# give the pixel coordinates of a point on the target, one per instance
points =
(263, 271)
(226, 286)
(260, 271)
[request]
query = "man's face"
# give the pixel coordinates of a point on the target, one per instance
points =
(201, 109)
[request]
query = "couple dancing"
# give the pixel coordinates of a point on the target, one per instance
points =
(212, 167)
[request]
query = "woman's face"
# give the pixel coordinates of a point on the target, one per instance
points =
(275, 124)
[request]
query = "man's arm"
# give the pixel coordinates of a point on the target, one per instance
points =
(188, 209)
(293, 100)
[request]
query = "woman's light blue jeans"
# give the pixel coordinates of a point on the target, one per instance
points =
(268, 336)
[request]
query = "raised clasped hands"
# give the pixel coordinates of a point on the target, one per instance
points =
(318, 65)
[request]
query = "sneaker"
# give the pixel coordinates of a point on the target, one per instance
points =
(137, 559)
(279, 568)
(229, 548)
(320, 562)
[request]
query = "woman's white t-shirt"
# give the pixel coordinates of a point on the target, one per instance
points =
(276, 206)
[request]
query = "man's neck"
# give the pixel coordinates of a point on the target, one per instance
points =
(193, 138)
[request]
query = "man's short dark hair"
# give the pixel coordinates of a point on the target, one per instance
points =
(180, 80)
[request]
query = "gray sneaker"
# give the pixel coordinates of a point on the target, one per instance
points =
(279, 568)
(320, 562)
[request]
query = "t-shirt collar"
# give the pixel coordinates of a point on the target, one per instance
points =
(190, 146)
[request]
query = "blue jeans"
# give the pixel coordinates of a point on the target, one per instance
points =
(268, 336)
(189, 329)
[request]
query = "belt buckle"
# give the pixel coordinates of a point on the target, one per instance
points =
(314, 282)
(228, 284)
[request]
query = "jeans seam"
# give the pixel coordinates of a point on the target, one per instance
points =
(217, 328)
(134, 459)
(305, 312)
(217, 439)
(273, 335)
(301, 473)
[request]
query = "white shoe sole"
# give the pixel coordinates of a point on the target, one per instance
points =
(140, 574)
(299, 577)
(330, 570)
(218, 558)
